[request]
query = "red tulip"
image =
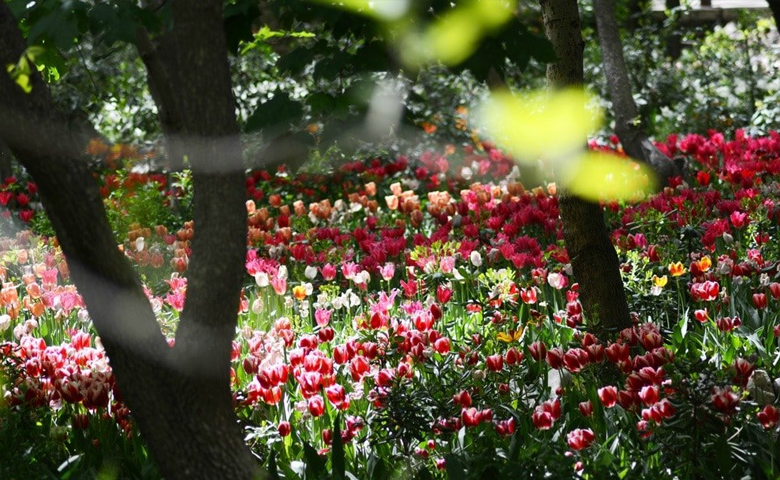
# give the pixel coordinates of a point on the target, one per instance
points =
(555, 358)
(538, 351)
(649, 395)
(608, 396)
(769, 416)
(542, 420)
(725, 400)
(513, 357)
(463, 399)
(470, 417)
(316, 405)
(495, 362)
(443, 294)
(586, 408)
(580, 438)
(744, 370)
(617, 352)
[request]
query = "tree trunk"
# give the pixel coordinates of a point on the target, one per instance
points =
(774, 5)
(593, 258)
(674, 38)
(627, 123)
(179, 396)
(6, 167)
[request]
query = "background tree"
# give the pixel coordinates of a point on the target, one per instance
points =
(593, 257)
(180, 395)
(627, 124)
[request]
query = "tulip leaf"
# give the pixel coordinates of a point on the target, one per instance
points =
(337, 456)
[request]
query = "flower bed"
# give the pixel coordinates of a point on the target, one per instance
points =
(401, 319)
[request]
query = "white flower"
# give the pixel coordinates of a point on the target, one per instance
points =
(457, 275)
(467, 173)
(18, 331)
(139, 244)
(30, 325)
(261, 278)
(338, 303)
(246, 332)
(354, 300)
(5, 322)
(310, 272)
(362, 277)
(556, 280)
(476, 258)
(257, 305)
(281, 273)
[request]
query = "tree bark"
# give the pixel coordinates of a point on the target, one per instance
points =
(774, 5)
(627, 123)
(674, 38)
(179, 396)
(6, 166)
(593, 257)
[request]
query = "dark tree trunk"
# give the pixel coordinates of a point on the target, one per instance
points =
(674, 38)
(593, 258)
(634, 11)
(6, 167)
(179, 396)
(627, 124)
(164, 82)
(774, 5)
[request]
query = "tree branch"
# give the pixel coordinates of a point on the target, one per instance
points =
(635, 141)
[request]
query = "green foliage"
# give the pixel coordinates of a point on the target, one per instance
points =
(145, 205)
(725, 77)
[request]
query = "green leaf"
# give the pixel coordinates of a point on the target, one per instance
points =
(279, 111)
(377, 470)
(337, 451)
(113, 23)
(272, 470)
(315, 465)
(239, 18)
(455, 468)
(296, 60)
(23, 80)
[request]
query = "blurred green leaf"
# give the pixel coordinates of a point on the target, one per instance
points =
(539, 125)
(386, 10)
(600, 176)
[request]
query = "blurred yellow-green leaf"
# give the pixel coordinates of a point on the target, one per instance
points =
(599, 176)
(540, 125)
(23, 80)
(387, 10)
(454, 36)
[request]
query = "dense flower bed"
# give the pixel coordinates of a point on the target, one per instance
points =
(401, 318)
